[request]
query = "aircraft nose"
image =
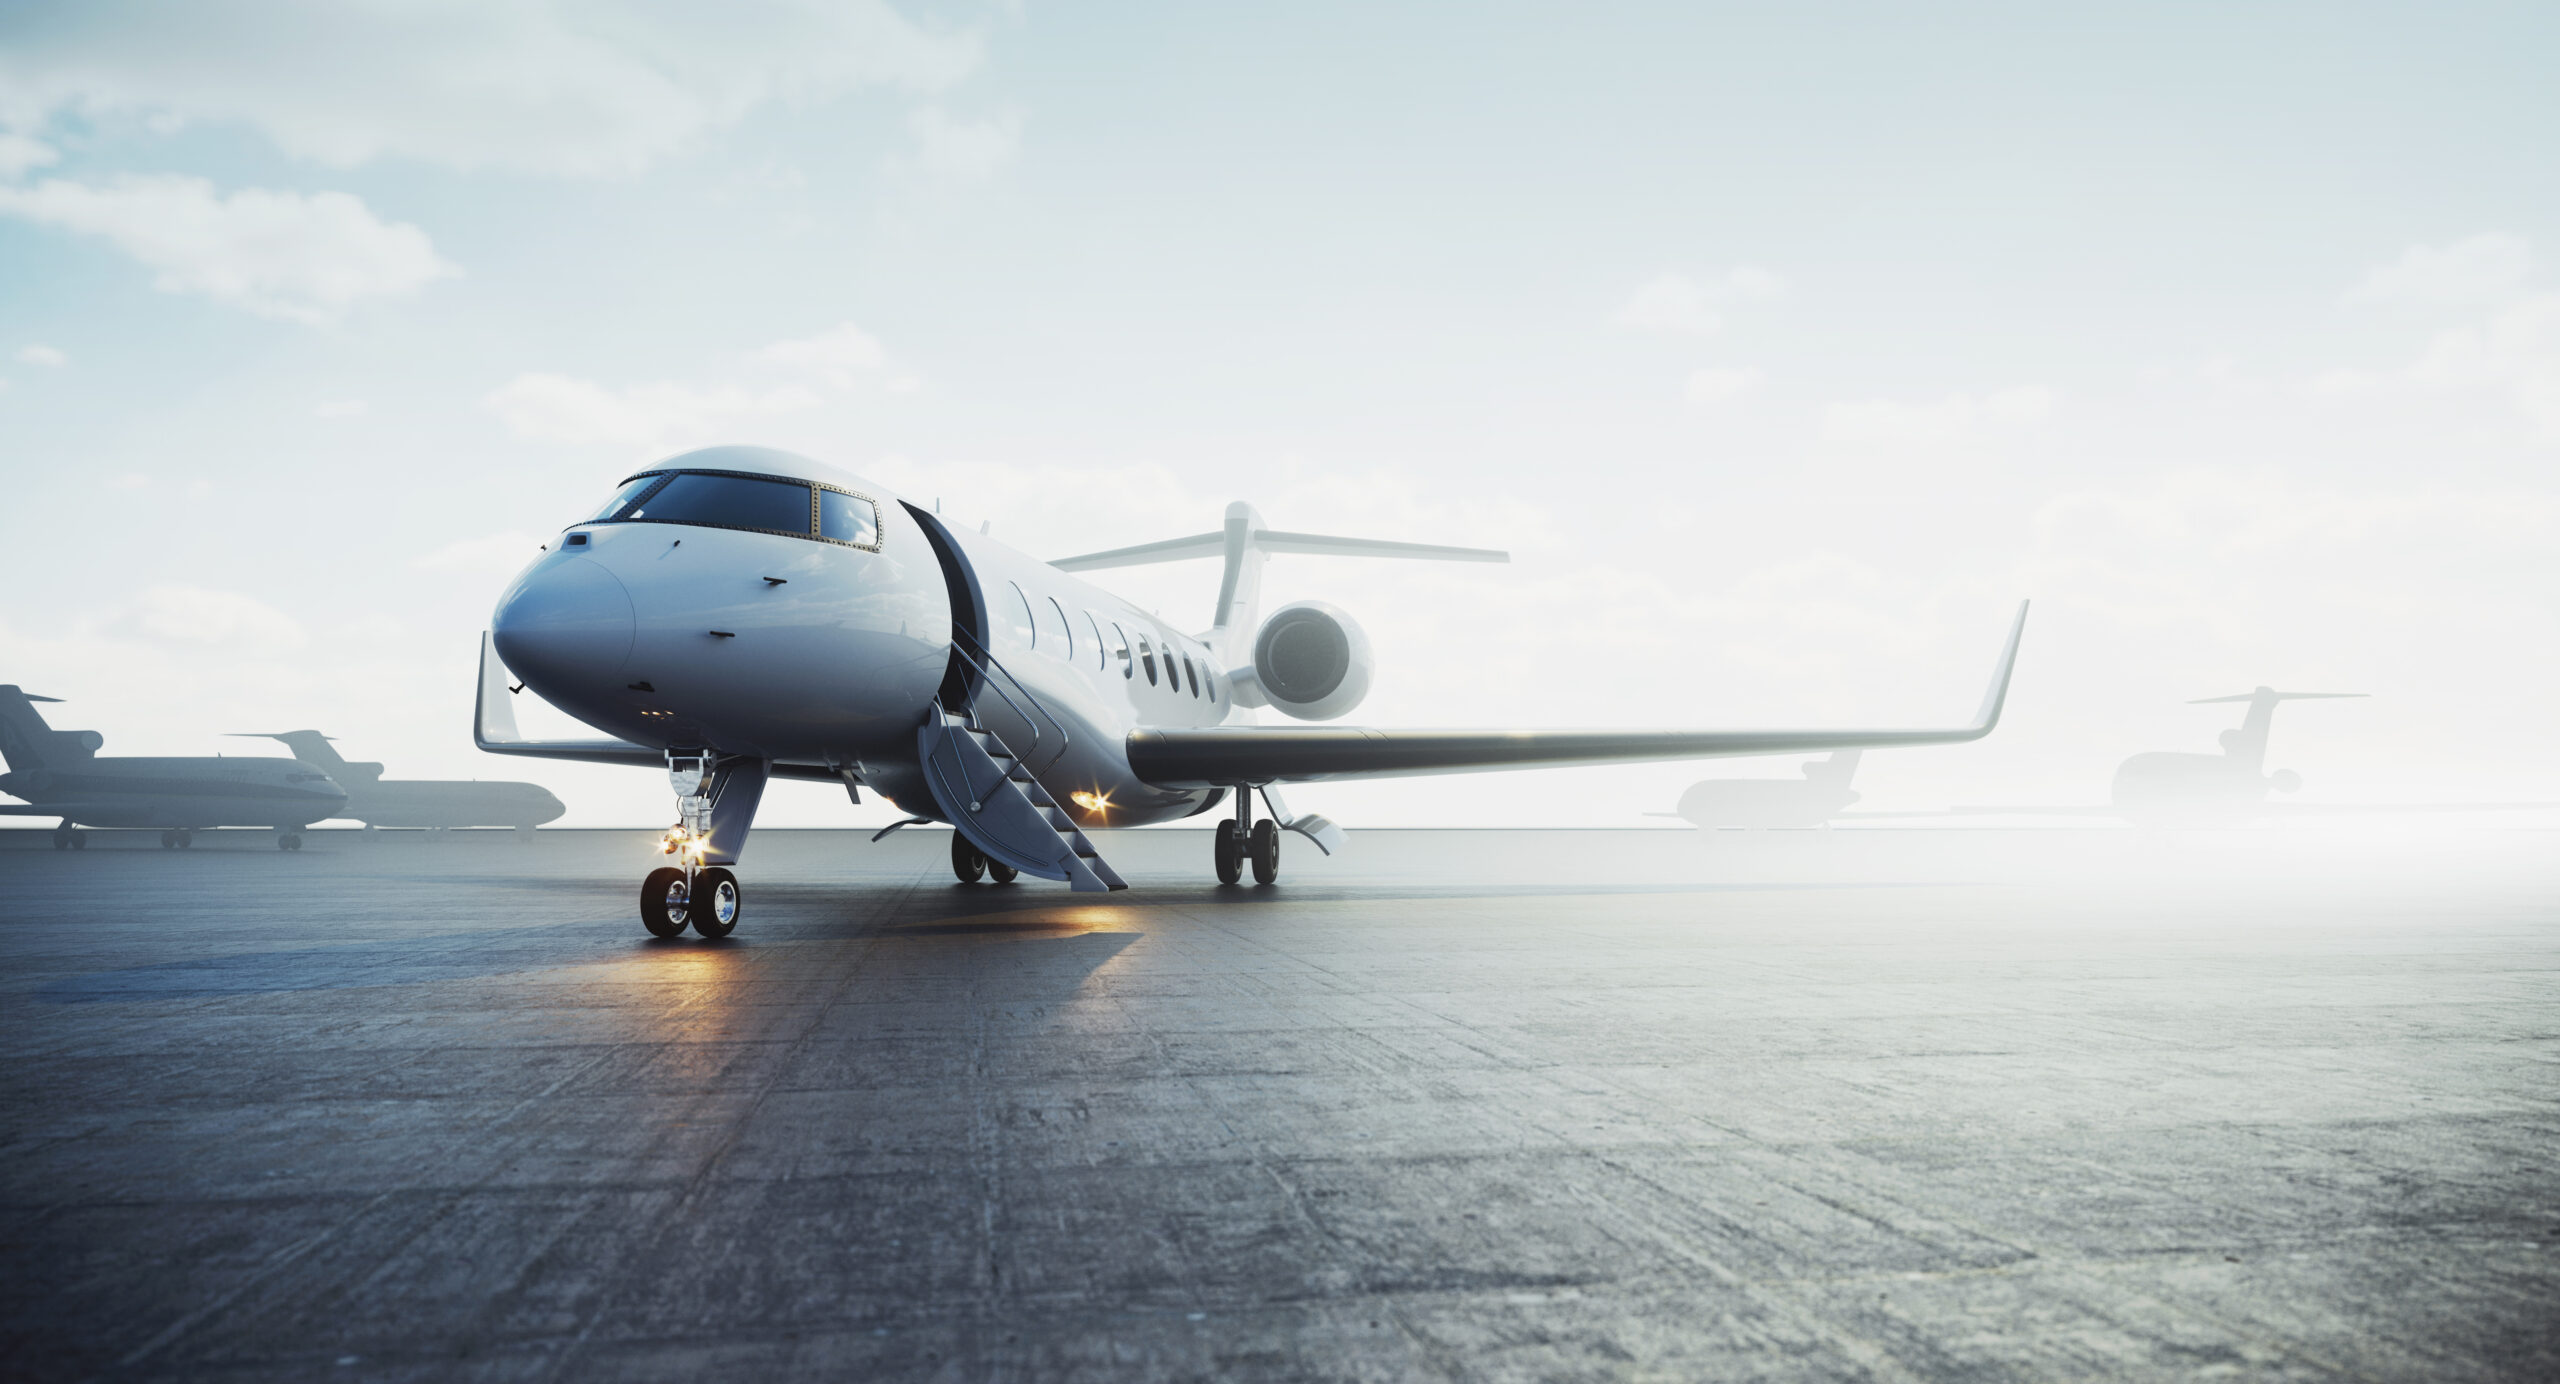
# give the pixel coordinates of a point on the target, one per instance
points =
(566, 626)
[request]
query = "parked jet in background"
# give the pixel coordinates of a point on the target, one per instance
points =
(419, 802)
(60, 775)
(2167, 788)
(1820, 795)
(738, 613)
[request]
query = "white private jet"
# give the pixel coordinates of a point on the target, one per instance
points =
(738, 613)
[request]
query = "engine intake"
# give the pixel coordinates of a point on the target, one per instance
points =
(1311, 661)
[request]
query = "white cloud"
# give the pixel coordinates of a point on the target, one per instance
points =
(835, 355)
(196, 615)
(664, 416)
(2516, 351)
(546, 86)
(963, 151)
(1679, 303)
(1953, 418)
(1720, 385)
(2476, 269)
(20, 153)
(41, 355)
(339, 408)
(130, 480)
(496, 555)
(302, 257)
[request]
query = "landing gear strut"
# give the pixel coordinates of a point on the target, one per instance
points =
(968, 863)
(690, 893)
(1241, 839)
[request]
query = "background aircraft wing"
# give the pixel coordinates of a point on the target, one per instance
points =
(493, 725)
(72, 810)
(1206, 756)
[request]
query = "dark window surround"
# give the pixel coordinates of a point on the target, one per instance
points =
(811, 533)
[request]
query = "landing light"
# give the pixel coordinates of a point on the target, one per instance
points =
(680, 842)
(1095, 803)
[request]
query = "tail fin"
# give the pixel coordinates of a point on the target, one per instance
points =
(28, 744)
(312, 748)
(2249, 742)
(1835, 771)
(1244, 543)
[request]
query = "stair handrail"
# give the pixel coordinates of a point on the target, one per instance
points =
(988, 665)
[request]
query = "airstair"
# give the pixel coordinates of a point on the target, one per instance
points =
(988, 792)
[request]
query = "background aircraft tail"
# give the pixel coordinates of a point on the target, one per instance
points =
(312, 748)
(1836, 771)
(1244, 543)
(28, 744)
(2249, 742)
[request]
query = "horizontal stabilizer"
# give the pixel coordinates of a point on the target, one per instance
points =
(30, 696)
(1274, 541)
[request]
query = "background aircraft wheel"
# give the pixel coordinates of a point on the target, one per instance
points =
(186, 840)
(664, 902)
(62, 838)
(1266, 851)
(288, 842)
(168, 840)
(1229, 851)
(966, 861)
(715, 902)
(1000, 872)
(79, 840)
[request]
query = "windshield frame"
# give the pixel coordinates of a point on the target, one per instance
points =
(642, 498)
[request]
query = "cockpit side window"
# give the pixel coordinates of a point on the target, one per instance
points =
(844, 517)
(631, 490)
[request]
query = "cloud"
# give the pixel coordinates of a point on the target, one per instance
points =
(1953, 418)
(665, 416)
(41, 355)
(1717, 385)
(1679, 303)
(196, 615)
(836, 355)
(963, 151)
(304, 258)
(339, 408)
(2476, 269)
(20, 153)
(541, 86)
(2516, 351)
(496, 555)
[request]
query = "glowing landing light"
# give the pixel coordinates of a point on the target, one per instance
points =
(679, 842)
(1099, 804)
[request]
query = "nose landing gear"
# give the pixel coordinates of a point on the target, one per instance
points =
(689, 893)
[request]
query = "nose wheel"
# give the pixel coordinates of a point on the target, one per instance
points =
(707, 900)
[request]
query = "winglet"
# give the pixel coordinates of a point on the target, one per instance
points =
(1998, 695)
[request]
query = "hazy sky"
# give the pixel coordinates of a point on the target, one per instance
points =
(1785, 351)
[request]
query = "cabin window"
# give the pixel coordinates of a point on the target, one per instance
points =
(728, 502)
(1101, 656)
(1147, 659)
(1120, 651)
(1056, 635)
(1191, 673)
(631, 490)
(848, 518)
(1017, 617)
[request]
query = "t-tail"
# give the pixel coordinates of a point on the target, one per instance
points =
(2248, 744)
(313, 748)
(28, 744)
(1244, 543)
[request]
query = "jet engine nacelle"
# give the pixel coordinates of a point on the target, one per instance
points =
(1311, 661)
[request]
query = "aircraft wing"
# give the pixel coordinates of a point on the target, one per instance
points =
(1207, 756)
(74, 811)
(493, 725)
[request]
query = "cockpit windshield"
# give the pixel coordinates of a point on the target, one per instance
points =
(631, 490)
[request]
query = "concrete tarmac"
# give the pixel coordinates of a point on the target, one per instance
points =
(1467, 1105)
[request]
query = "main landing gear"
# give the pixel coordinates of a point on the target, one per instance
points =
(1241, 839)
(970, 864)
(689, 893)
(67, 837)
(287, 841)
(173, 840)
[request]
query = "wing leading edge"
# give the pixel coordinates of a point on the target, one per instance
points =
(1208, 756)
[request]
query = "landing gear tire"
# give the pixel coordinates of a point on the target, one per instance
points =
(288, 842)
(63, 837)
(716, 902)
(966, 861)
(168, 840)
(1266, 851)
(666, 905)
(1228, 850)
(1002, 873)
